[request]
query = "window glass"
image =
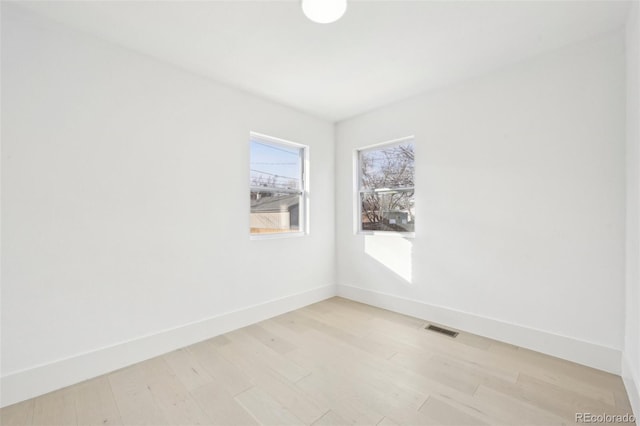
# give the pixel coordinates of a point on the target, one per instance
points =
(277, 193)
(386, 187)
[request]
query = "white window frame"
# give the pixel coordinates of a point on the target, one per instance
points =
(303, 191)
(358, 190)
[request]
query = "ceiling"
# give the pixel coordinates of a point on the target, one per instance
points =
(379, 52)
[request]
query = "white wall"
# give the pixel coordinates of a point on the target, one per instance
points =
(125, 206)
(631, 354)
(520, 199)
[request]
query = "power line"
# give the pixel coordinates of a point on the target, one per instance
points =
(271, 174)
(276, 148)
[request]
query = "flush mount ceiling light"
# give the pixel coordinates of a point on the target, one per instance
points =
(324, 11)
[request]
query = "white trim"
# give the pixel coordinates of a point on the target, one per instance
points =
(389, 234)
(275, 190)
(284, 143)
(392, 142)
(632, 384)
(356, 214)
(21, 385)
(579, 351)
(277, 235)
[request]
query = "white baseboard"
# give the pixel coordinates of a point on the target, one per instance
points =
(581, 352)
(41, 379)
(632, 384)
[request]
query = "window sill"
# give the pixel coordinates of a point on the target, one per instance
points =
(388, 234)
(277, 236)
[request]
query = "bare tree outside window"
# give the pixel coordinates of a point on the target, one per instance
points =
(386, 188)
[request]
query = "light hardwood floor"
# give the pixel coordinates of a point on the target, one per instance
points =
(336, 362)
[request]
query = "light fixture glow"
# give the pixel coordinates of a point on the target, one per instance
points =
(324, 11)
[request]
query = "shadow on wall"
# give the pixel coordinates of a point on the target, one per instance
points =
(394, 253)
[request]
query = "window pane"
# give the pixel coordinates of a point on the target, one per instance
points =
(273, 212)
(275, 166)
(388, 211)
(390, 167)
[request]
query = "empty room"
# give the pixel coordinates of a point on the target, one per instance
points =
(320, 212)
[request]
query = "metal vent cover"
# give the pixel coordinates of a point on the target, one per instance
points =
(441, 330)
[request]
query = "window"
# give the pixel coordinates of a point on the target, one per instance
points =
(386, 187)
(278, 190)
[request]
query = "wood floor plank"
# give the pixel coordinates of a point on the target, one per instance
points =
(221, 407)
(380, 392)
(284, 391)
(342, 396)
(341, 330)
(502, 348)
(470, 339)
(220, 369)
(377, 313)
(565, 368)
(358, 366)
(447, 376)
(292, 322)
(20, 414)
(410, 417)
(321, 307)
(356, 411)
(331, 418)
(271, 340)
(559, 400)
(448, 415)
(387, 422)
(509, 410)
(278, 328)
(416, 346)
(311, 321)
(133, 396)
(475, 372)
(171, 396)
(622, 399)
(266, 409)
(187, 368)
(253, 348)
(95, 403)
(219, 340)
(589, 390)
(56, 408)
(335, 362)
(353, 322)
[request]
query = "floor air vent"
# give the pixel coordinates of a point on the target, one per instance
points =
(441, 330)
